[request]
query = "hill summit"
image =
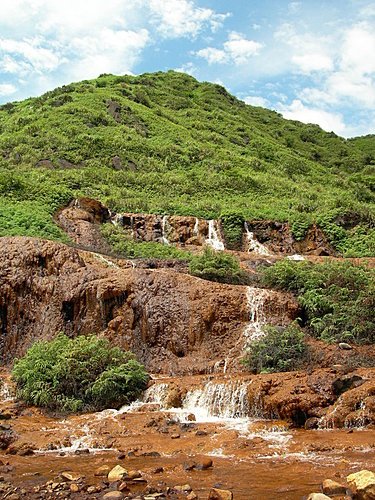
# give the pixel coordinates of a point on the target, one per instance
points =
(165, 143)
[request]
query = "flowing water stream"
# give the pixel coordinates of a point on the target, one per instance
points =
(213, 238)
(164, 228)
(253, 244)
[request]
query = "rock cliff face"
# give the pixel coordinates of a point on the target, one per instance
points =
(278, 238)
(175, 323)
(81, 220)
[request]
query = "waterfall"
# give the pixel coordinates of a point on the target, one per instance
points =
(220, 400)
(253, 244)
(7, 393)
(164, 223)
(255, 300)
(157, 394)
(214, 401)
(213, 237)
(196, 227)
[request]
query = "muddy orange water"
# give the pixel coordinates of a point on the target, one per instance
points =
(255, 459)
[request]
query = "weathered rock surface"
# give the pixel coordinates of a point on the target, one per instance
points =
(296, 397)
(278, 238)
(217, 494)
(363, 484)
(82, 217)
(318, 496)
(175, 229)
(175, 323)
(81, 220)
(330, 488)
(117, 473)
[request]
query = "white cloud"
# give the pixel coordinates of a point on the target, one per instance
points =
(237, 49)
(367, 11)
(240, 49)
(254, 100)
(313, 62)
(27, 56)
(108, 51)
(46, 43)
(7, 89)
(308, 52)
(358, 52)
(294, 7)
(212, 55)
(188, 68)
(181, 18)
(328, 121)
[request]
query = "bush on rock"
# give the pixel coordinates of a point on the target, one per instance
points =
(79, 374)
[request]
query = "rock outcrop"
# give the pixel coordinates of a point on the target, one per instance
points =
(296, 397)
(278, 239)
(175, 323)
(81, 220)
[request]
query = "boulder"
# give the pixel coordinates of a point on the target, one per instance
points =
(216, 494)
(318, 496)
(185, 488)
(102, 470)
(363, 484)
(345, 347)
(117, 473)
(70, 476)
(113, 494)
(312, 423)
(330, 487)
(133, 474)
(204, 464)
(192, 496)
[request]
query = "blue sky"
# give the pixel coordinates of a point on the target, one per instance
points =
(310, 60)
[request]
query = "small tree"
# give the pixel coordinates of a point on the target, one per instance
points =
(217, 266)
(79, 374)
(280, 350)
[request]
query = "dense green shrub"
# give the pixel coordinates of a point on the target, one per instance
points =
(79, 374)
(280, 350)
(217, 266)
(232, 223)
(338, 298)
(299, 227)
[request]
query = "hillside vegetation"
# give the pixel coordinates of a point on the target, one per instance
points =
(165, 143)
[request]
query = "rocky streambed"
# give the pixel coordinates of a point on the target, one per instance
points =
(172, 452)
(204, 428)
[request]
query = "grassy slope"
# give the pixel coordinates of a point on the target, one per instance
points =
(185, 148)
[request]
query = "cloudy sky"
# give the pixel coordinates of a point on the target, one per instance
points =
(311, 60)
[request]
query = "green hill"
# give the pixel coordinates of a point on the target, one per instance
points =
(165, 143)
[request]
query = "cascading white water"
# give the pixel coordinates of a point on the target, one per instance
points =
(196, 227)
(296, 257)
(157, 394)
(6, 392)
(116, 220)
(213, 237)
(253, 244)
(164, 223)
(255, 300)
(218, 401)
